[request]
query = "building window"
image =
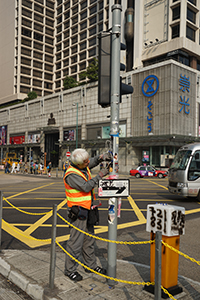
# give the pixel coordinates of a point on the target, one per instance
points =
(83, 46)
(176, 13)
(73, 69)
(74, 49)
(59, 38)
(93, 20)
(100, 27)
(74, 40)
(49, 4)
(74, 20)
(92, 31)
(198, 65)
(101, 5)
(83, 25)
(92, 42)
(92, 52)
(59, 20)
(83, 35)
(49, 22)
(82, 56)
(190, 33)
(83, 5)
(93, 10)
(191, 16)
(192, 1)
(75, 10)
(101, 16)
(67, 5)
(38, 37)
(26, 32)
(82, 66)
(74, 59)
(175, 31)
(84, 15)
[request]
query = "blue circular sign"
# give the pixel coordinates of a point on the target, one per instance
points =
(148, 89)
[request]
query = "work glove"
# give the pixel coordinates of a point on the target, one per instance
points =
(103, 172)
(106, 156)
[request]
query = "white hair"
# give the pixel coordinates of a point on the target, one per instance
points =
(78, 156)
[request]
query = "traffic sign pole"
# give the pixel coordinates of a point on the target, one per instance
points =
(114, 129)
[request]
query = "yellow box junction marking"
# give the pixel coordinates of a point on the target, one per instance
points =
(25, 236)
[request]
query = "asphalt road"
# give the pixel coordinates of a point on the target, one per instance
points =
(28, 199)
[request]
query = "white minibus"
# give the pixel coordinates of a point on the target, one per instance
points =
(184, 173)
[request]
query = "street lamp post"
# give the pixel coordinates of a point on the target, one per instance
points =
(76, 104)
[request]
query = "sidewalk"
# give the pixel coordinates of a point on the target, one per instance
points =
(29, 269)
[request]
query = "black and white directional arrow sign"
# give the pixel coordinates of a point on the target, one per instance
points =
(114, 188)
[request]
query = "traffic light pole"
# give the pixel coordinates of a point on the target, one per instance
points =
(114, 128)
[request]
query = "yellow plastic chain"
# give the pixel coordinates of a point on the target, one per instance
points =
(25, 212)
(181, 253)
(166, 292)
(105, 276)
(105, 240)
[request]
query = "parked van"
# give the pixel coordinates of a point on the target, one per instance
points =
(184, 172)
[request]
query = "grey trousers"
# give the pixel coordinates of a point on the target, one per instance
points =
(80, 244)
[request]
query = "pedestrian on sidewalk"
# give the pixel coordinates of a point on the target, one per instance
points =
(79, 188)
(13, 168)
(49, 169)
(7, 166)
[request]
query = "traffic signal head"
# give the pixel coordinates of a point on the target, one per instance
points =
(104, 69)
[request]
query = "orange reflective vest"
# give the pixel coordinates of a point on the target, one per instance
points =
(76, 197)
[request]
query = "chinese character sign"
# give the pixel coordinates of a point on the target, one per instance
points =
(184, 83)
(169, 219)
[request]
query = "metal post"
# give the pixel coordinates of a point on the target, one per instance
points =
(114, 126)
(158, 258)
(56, 172)
(76, 125)
(1, 208)
(53, 248)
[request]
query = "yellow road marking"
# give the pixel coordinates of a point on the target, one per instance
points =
(162, 186)
(192, 211)
(43, 219)
(27, 239)
(136, 209)
(28, 191)
(42, 225)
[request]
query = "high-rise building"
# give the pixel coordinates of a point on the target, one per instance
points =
(42, 41)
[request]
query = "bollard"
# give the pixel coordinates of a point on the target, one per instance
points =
(53, 248)
(56, 172)
(158, 258)
(1, 208)
(170, 221)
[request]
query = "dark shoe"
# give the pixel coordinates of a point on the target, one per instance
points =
(97, 269)
(75, 276)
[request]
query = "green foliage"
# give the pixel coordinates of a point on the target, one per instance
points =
(31, 95)
(69, 82)
(91, 72)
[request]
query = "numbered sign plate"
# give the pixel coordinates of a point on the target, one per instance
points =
(114, 188)
(169, 219)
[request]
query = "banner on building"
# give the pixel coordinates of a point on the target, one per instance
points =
(3, 135)
(34, 138)
(16, 140)
(69, 135)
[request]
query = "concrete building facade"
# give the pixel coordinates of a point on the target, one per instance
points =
(161, 115)
(45, 40)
